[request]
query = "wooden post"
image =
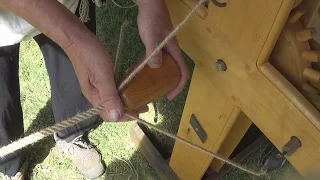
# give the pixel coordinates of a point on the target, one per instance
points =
(217, 121)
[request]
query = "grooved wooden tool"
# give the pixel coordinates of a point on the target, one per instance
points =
(150, 84)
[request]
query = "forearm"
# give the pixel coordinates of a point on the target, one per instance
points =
(150, 3)
(51, 18)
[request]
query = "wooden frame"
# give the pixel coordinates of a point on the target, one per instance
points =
(243, 35)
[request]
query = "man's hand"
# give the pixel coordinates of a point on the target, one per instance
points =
(91, 61)
(94, 70)
(154, 25)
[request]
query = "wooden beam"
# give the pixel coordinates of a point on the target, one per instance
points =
(151, 154)
(233, 138)
(215, 114)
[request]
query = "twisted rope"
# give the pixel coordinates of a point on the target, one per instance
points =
(33, 138)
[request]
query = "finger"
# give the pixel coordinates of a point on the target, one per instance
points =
(93, 96)
(151, 43)
(135, 114)
(91, 93)
(103, 80)
(173, 49)
(143, 109)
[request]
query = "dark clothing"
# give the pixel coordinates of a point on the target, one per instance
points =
(67, 99)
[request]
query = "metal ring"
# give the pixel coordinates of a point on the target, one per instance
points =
(219, 4)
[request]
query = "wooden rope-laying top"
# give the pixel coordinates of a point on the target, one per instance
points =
(33, 138)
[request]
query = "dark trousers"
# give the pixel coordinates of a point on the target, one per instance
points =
(67, 99)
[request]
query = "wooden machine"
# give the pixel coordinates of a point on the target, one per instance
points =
(256, 61)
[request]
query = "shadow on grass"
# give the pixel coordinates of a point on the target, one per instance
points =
(36, 154)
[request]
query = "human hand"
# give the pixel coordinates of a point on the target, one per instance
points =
(154, 25)
(94, 69)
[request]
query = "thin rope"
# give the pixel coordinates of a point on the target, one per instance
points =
(159, 48)
(175, 137)
(33, 138)
(123, 7)
(119, 49)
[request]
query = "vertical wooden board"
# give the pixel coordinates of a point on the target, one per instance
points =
(247, 22)
(233, 138)
(213, 112)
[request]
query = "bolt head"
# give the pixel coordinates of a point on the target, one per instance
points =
(220, 66)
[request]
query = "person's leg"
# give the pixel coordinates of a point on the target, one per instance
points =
(67, 101)
(11, 122)
(67, 98)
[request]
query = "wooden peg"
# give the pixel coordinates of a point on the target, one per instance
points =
(315, 85)
(150, 84)
(297, 13)
(311, 56)
(308, 88)
(311, 74)
(305, 34)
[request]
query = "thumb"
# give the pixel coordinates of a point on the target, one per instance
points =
(110, 99)
(151, 45)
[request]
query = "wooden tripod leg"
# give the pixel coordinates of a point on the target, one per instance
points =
(233, 138)
(215, 114)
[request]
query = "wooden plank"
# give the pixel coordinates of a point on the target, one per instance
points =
(233, 138)
(243, 83)
(151, 154)
(190, 163)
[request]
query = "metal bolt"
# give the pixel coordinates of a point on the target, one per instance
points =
(292, 146)
(220, 66)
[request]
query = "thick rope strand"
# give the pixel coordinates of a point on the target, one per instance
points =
(33, 138)
(159, 47)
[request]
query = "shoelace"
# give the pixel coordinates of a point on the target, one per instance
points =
(82, 144)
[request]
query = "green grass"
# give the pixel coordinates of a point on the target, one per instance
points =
(112, 139)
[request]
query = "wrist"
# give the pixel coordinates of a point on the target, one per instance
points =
(142, 3)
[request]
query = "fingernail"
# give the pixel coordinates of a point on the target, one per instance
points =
(114, 115)
(156, 63)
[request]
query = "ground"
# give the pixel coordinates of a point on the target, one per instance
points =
(123, 160)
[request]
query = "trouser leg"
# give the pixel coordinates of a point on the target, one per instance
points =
(11, 118)
(67, 98)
